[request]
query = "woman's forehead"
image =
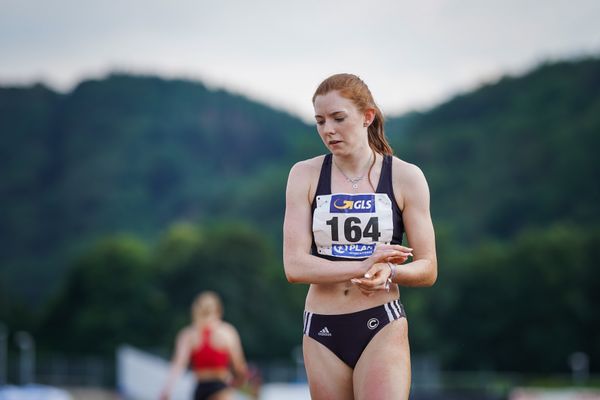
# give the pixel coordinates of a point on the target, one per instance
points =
(332, 102)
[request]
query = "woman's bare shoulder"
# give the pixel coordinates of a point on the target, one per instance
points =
(309, 166)
(304, 176)
(410, 185)
(186, 334)
(228, 330)
(406, 172)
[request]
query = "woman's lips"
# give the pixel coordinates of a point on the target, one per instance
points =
(334, 142)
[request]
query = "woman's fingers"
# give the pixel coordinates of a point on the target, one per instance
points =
(390, 251)
(395, 247)
(374, 274)
(373, 279)
(385, 255)
(399, 259)
(375, 268)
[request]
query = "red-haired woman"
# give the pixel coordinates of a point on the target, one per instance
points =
(346, 214)
(212, 347)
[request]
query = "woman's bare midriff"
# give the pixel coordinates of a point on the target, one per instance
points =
(206, 374)
(343, 298)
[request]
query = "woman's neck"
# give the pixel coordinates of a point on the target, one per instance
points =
(207, 321)
(356, 163)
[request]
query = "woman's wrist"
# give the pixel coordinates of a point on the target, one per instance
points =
(393, 270)
(364, 267)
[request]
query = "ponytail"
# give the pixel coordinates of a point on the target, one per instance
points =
(377, 140)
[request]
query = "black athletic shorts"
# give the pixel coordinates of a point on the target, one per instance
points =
(206, 389)
(347, 335)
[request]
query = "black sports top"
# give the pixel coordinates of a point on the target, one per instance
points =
(347, 226)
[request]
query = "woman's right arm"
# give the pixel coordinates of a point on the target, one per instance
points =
(300, 265)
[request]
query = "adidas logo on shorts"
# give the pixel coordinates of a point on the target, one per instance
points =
(324, 332)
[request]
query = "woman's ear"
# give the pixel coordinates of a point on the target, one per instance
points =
(369, 116)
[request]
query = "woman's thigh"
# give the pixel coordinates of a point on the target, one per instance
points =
(329, 378)
(383, 370)
(225, 394)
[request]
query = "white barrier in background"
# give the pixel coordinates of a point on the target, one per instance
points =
(554, 394)
(141, 376)
(278, 391)
(33, 392)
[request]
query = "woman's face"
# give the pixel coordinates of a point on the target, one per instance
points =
(340, 123)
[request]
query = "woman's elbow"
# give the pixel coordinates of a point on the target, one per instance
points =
(427, 276)
(290, 272)
(291, 278)
(431, 279)
(432, 275)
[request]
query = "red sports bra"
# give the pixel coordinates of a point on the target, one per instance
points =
(206, 356)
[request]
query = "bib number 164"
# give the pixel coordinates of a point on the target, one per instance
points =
(353, 232)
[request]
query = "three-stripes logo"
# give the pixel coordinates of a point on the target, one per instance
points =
(324, 332)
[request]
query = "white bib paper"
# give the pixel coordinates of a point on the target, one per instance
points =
(350, 225)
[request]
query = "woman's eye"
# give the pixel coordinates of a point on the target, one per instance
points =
(320, 122)
(339, 119)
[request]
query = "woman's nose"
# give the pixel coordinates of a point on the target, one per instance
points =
(328, 128)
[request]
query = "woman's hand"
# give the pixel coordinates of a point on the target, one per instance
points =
(376, 277)
(374, 280)
(383, 253)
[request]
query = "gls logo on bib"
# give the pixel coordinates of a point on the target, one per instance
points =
(358, 203)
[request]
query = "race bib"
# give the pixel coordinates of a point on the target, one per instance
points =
(350, 225)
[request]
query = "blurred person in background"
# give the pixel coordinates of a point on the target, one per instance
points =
(213, 349)
(346, 213)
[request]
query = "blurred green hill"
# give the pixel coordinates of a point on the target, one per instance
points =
(514, 154)
(512, 169)
(130, 154)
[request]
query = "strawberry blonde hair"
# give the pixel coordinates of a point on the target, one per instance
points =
(205, 305)
(353, 88)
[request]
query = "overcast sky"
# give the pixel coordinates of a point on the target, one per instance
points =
(412, 54)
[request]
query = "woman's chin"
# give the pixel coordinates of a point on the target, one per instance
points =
(337, 149)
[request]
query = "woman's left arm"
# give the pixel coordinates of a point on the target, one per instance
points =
(422, 270)
(179, 362)
(238, 360)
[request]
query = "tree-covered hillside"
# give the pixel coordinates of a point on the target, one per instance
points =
(127, 154)
(518, 153)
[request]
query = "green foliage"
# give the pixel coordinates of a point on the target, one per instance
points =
(512, 154)
(177, 246)
(107, 300)
(118, 291)
(523, 305)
